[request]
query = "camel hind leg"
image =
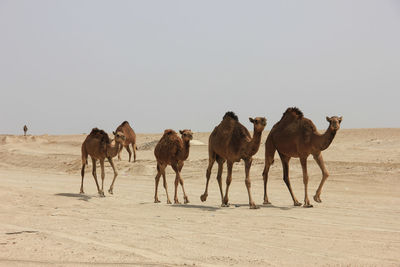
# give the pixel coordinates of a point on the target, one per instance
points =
(220, 162)
(115, 175)
(157, 180)
(83, 176)
(134, 148)
(129, 152)
(269, 160)
(211, 160)
(225, 201)
(185, 197)
(285, 165)
(95, 176)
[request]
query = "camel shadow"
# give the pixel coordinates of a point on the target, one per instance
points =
(269, 206)
(192, 206)
(79, 196)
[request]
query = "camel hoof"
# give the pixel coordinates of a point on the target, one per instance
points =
(266, 203)
(156, 201)
(225, 205)
(254, 207)
(186, 200)
(110, 191)
(203, 197)
(81, 192)
(317, 199)
(169, 201)
(307, 206)
(297, 204)
(102, 194)
(176, 201)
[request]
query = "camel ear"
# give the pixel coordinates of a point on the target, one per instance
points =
(328, 119)
(251, 120)
(180, 131)
(114, 133)
(340, 119)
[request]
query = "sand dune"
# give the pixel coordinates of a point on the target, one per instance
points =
(44, 221)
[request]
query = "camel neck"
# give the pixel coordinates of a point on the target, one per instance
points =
(186, 148)
(113, 148)
(255, 142)
(324, 140)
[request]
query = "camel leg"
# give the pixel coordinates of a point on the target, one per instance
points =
(320, 161)
(211, 161)
(220, 162)
(103, 175)
(247, 166)
(225, 201)
(185, 197)
(95, 176)
(119, 152)
(177, 178)
(285, 165)
(115, 175)
(303, 161)
(165, 183)
(269, 159)
(83, 175)
(157, 179)
(129, 152)
(134, 152)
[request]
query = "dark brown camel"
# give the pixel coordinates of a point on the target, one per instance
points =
(231, 141)
(25, 129)
(296, 136)
(98, 145)
(172, 150)
(130, 135)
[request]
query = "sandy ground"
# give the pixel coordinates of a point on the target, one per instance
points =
(45, 221)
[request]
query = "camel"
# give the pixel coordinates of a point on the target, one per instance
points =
(130, 139)
(172, 150)
(25, 129)
(231, 141)
(99, 146)
(296, 136)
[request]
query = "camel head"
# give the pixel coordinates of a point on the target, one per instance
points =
(259, 123)
(334, 122)
(119, 137)
(187, 135)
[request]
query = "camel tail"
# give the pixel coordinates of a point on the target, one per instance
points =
(84, 155)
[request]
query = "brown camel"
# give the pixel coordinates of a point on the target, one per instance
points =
(172, 150)
(25, 130)
(130, 135)
(231, 141)
(296, 136)
(98, 145)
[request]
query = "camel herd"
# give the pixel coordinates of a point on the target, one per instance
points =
(292, 136)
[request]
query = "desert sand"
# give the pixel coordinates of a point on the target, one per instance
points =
(45, 221)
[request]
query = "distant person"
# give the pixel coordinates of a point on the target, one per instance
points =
(25, 130)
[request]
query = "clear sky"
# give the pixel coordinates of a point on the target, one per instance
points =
(69, 66)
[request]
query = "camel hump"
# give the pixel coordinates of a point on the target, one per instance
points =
(232, 115)
(294, 110)
(169, 132)
(100, 134)
(124, 123)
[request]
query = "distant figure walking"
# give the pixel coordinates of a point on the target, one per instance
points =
(172, 150)
(130, 135)
(296, 136)
(25, 129)
(99, 146)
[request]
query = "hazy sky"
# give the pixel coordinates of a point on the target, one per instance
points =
(69, 66)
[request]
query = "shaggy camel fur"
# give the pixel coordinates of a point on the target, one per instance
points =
(172, 150)
(25, 129)
(98, 145)
(296, 136)
(130, 135)
(231, 141)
